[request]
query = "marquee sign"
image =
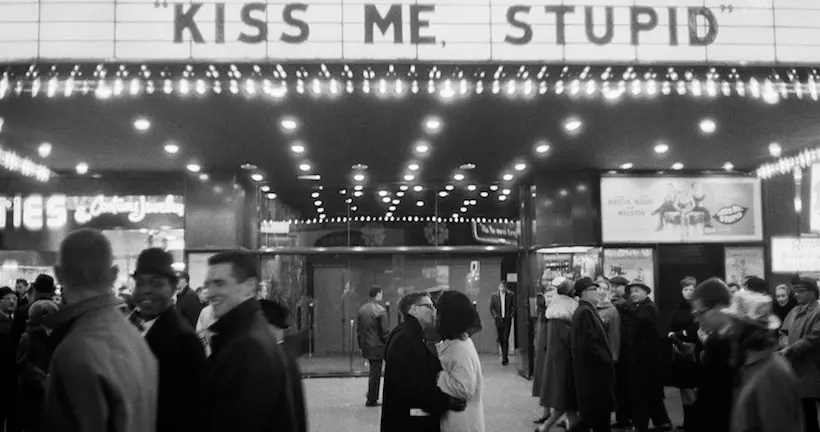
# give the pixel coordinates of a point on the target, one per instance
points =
(551, 31)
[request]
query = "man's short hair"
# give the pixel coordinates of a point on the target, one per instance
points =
(244, 264)
(409, 300)
(756, 284)
(86, 260)
(688, 281)
(712, 292)
(21, 281)
(374, 291)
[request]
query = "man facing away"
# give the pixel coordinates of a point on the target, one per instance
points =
(246, 389)
(103, 376)
(372, 329)
(413, 402)
(177, 348)
(502, 308)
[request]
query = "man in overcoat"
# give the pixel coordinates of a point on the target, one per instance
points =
(592, 363)
(372, 330)
(412, 400)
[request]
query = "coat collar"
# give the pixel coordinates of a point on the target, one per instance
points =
(806, 308)
(68, 314)
(414, 326)
(753, 357)
(164, 321)
(241, 317)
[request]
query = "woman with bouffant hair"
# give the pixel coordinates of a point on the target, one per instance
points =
(461, 377)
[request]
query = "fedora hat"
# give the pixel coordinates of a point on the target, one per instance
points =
(155, 261)
(639, 284)
(44, 284)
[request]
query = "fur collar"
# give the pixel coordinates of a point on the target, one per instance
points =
(562, 307)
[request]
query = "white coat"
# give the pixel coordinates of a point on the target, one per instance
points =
(461, 378)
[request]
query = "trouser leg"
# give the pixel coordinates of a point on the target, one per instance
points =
(622, 409)
(505, 339)
(374, 380)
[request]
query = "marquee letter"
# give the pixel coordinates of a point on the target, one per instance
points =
(219, 23)
(513, 21)
(560, 21)
(185, 20)
(304, 29)
(711, 22)
(56, 212)
(637, 26)
(590, 26)
(259, 24)
(416, 24)
(33, 213)
(673, 26)
(393, 18)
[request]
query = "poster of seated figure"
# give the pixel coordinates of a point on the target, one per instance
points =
(743, 262)
(636, 265)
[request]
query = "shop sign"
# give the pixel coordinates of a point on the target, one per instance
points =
(681, 209)
(795, 254)
(36, 212)
(644, 31)
(506, 233)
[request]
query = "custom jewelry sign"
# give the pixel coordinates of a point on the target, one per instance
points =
(551, 31)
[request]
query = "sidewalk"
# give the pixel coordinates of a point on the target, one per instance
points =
(337, 404)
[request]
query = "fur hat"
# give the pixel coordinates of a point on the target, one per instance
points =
(753, 308)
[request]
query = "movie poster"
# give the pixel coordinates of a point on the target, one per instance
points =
(636, 265)
(742, 262)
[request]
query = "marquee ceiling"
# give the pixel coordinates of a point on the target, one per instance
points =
(498, 133)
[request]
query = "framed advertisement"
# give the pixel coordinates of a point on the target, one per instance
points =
(632, 264)
(814, 199)
(742, 262)
(681, 209)
(795, 255)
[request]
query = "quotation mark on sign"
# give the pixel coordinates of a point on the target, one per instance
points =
(160, 3)
(727, 8)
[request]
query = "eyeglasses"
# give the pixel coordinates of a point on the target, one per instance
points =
(427, 305)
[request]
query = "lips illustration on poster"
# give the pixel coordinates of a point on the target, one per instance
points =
(730, 215)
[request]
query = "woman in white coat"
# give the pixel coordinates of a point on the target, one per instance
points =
(461, 376)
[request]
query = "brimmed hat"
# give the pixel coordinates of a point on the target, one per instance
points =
(809, 283)
(584, 284)
(753, 308)
(619, 280)
(639, 284)
(44, 284)
(156, 261)
(4, 291)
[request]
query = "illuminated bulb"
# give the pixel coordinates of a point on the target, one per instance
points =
(708, 126)
(573, 124)
(289, 124)
(502, 197)
(358, 193)
(297, 148)
(484, 194)
(661, 148)
(449, 187)
(358, 177)
(420, 203)
(257, 177)
(494, 188)
(399, 194)
(396, 202)
(44, 150)
(320, 210)
(506, 191)
(775, 150)
(317, 203)
(507, 177)
(422, 148)
(409, 177)
(471, 188)
(443, 194)
(354, 208)
(418, 188)
(204, 177)
(463, 209)
(520, 166)
(542, 148)
(271, 195)
(413, 167)
(358, 187)
(677, 166)
(459, 177)
(82, 168)
(171, 148)
(386, 200)
(728, 166)
(627, 166)
(265, 188)
(193, 168)
(404, 187)
(142, 124)
(433, 124)
(304, 167)
(383, 193)
(392, 208)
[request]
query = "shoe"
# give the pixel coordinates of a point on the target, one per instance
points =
(541, 420)
(505, 362)
(373, 404)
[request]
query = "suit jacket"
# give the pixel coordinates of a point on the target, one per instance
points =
(509, 305)
(245, 390)
(592, 363)
(182, 370)
(372, 330)
(189, 306)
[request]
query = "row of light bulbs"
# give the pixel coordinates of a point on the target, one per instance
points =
(344, 219)
(790, 164)
(769, 90)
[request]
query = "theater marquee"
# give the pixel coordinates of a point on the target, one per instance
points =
(551, 31)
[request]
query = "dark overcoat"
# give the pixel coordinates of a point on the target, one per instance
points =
(540, 347)
(558, 388)
(643, 357)
(682, 370)
(182, 371)
(592, 362)
(410, 375)
(189, 306)
(372, 330)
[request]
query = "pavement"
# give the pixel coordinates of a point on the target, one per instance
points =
(337, 404)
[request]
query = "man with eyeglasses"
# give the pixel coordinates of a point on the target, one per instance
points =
(412, 402)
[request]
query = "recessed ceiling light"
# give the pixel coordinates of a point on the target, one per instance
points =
(409, 177)
(386, 200)
(471, 188)
(399, 194)
(677, 166)
(358, 177)
(413, 167)
(304, 167)
(502, 197)
(573, 125)
(289, 124)
(506, 191)
(708, 126)
(342, 191)
(626, 166)
(420, 203)
(494, 188)
(418, 188)
(297, 148)
(473, 202)
(507, 177)
(354, 208)
(349, 200)
(458, 177)
(422, 148)
(467, 166)
(44, 150)
(314, 195)
(433, 124)
(542, 148)
(520, 166)
(388, 215)
(403, 187)
(396, 202)
(466, 202)
(661, 148)
(358, 193)
(320, 210)
(257, 177)
(82, 168)
(271, 195)
(265, 188)
(193, 167)
(171, 148)
(392, 208)
(204, 177)
(383, 193)
(563, 192)
(142, 124)
(485, 194)
(728, 166)
(449, 187)
(248, 167)
(358, 187)
(463, 209)
(775, 150)
(317, 203)
(443, 194)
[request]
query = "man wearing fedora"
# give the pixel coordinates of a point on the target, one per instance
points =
(180, 355)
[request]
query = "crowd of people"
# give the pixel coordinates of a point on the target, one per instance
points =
(88, 361)
(743, 359)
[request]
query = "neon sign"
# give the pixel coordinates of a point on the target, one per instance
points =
(136, 207)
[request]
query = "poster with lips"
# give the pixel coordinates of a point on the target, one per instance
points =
(681, 209)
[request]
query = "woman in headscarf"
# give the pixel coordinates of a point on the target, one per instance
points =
(558, 388)
(543, 301)
(784, 302)
(461, 376)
